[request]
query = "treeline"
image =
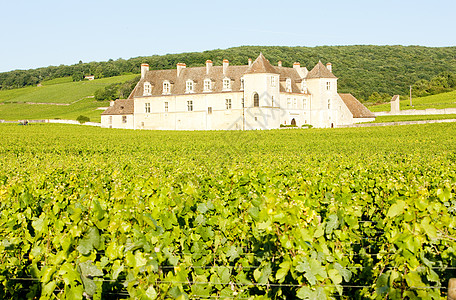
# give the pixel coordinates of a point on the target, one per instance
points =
(22, 78)
(116, 90)
(365, 71)
(444, 82)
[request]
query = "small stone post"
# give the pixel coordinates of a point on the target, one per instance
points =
(452, 289)
(395, 107)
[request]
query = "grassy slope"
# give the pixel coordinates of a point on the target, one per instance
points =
(14, 105)
(444, 100)
(384, 119)
(86, 107)
(55, 92)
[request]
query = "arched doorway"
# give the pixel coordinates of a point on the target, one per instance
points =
(293, 122)
(332, 125)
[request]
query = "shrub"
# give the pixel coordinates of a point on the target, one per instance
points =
(82, 119)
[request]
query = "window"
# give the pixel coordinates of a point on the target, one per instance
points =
(166, 106)
(228, 103)
(166, 87)
(328, 85)
(304, 86)
(226, 84)
(288, 85)
(242, 84)
(329, 103)
(124, 119)
(189, 86)
(272, 98)
(207, 85)
(304, 103)
(147, 107)
(273, 81)
(288, 102)
(209, 110)
(295, 103)
(190, 105)
(110, 119)
(147, 89)
(256, 100)
(242, 102)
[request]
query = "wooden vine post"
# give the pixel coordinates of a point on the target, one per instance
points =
(452, 289)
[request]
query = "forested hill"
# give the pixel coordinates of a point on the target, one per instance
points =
(362, 70)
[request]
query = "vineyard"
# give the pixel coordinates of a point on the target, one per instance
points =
(355, 213)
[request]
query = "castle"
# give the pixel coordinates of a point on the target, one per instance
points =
(253, 96)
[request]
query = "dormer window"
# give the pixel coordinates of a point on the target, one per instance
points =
(304, 86)
(288, 85)
(242, 84)
(207, 85)
(226, 84)
(147, 89)
(189, 86)
(166, 87)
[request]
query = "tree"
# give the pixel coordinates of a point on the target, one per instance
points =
(110, 92)
(78, 76)
(126, 87)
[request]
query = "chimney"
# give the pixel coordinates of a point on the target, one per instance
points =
(144, 70)
(279, 63)
(329, 67)
(208, 66)
(180, 67)
(226, 63)
(250, 62)
(297, 66)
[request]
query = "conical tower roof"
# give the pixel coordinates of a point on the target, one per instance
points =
(320, 71)
(261, 65)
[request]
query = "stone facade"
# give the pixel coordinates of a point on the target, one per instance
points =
(253, 96)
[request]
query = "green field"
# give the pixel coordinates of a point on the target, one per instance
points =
(59, 90)
(386, 119)
(21, 111)
(353, 213)
(439, 101)
(13, 103)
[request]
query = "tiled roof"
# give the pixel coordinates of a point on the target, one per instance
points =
(356, 108)
(120, 107)
(291, 73)
(261, 65)
(320, 71)
(216, 75)
(197, 75)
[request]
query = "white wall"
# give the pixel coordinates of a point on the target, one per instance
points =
(292, 105)
(179, 117)
(321, 116)
(268, 114)
(115, 121)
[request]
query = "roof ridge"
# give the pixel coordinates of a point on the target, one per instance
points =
(320, 71)
(261, 65)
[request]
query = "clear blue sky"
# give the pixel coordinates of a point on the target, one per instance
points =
(50, 32)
